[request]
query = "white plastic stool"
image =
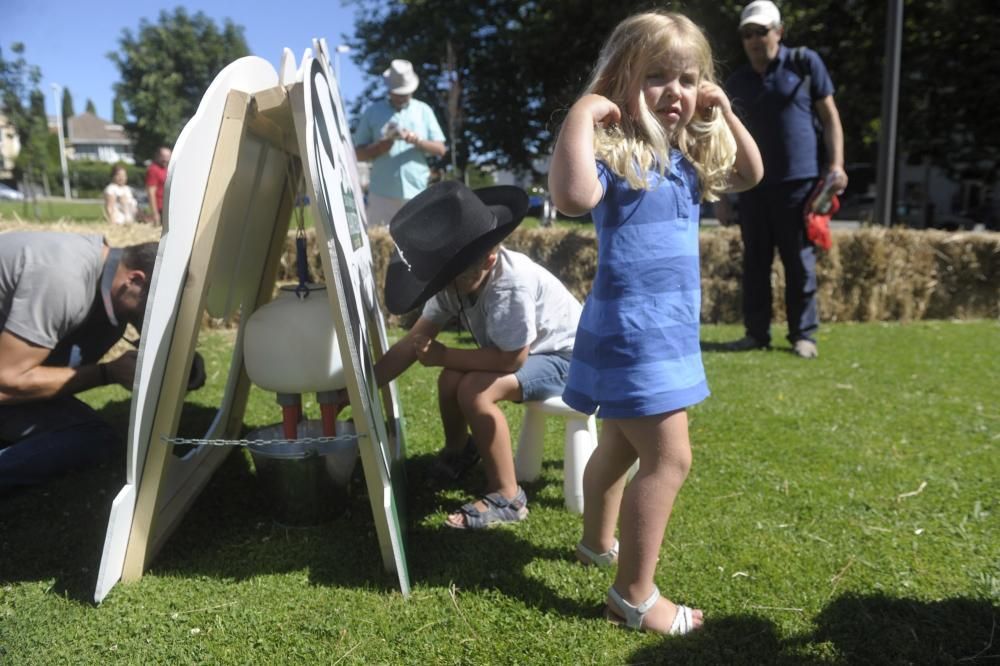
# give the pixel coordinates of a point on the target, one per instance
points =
(581, 440)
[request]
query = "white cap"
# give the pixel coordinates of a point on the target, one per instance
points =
(760, 12)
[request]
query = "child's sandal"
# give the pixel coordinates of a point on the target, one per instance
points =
(632, 617)
(589, 557)
(499, 510)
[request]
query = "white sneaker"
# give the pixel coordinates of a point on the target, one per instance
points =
(805, 349)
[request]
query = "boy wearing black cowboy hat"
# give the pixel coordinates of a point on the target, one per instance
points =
(523, 320)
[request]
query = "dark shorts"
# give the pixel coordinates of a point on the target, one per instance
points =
(543, 375)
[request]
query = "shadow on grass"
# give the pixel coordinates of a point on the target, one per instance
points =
(709, 346)
(491, 559)
(852, 629)
(726, 348)
(55, 531)
(228, 533)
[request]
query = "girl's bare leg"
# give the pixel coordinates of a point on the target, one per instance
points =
(664, 450)
(603, 483)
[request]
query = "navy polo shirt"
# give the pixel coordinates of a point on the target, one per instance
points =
(777, 109)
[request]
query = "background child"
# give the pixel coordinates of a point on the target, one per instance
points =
(665, 139)
(522, 318)
(120, 206)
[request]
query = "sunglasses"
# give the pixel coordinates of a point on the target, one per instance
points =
(759, 31)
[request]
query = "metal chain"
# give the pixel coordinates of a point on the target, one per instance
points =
(257, 442)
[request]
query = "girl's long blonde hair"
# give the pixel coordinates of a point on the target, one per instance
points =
(638, 144)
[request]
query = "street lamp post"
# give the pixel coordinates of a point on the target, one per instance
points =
(886, 176)
(341, 48)
(56, 89)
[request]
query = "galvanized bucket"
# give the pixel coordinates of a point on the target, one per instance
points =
(304, 483)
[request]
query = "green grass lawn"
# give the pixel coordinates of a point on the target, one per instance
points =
(52, 210)
(844, 511)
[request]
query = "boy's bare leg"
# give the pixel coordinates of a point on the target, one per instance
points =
(456, 430)
(664, 451)
(478, 395)
(603, 484)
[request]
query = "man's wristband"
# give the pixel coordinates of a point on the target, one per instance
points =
(105, 379)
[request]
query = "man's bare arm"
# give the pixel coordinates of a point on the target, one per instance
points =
(23, 378)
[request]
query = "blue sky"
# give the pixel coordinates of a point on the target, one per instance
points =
(69, 39)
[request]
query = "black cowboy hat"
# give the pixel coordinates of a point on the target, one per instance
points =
(441, 232)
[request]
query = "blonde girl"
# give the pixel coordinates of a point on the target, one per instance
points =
(651, 138)
(119, 203)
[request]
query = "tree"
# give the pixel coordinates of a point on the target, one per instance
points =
(948, 88)
(91, 107)
(23, 102)
(165, 69)
(53, 165)
(67, 110)
(515, 67)
(519, 65)
(480, 55)
(118, 111)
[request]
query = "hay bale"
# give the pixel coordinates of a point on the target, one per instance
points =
(117, 235)
(968, 276)
(721, 271)
(569, 254)
(870, 274)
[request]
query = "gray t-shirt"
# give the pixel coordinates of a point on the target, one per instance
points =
(47, 283)
(521, 304)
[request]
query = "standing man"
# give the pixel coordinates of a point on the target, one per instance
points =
(156, 179)
(396, 135)
(778, 95)
(65, 300)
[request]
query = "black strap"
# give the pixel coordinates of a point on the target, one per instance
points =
(799, 61)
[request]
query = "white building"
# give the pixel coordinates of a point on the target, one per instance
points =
(90, 137)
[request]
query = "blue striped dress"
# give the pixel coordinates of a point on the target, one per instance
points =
(637, 348)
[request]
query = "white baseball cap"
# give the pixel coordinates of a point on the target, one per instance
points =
(760, 12)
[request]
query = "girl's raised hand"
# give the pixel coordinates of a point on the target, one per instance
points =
(603, 111)
(711, 96)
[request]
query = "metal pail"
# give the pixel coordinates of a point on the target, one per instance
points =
(304, 483)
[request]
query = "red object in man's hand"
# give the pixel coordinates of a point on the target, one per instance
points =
(818, 223)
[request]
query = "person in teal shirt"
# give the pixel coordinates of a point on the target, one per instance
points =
(397, 135)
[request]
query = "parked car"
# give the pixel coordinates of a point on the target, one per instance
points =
(10, 194)
(857, 202)
(858, 206)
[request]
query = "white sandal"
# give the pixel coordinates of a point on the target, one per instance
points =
(635, 615)
(600, 560)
